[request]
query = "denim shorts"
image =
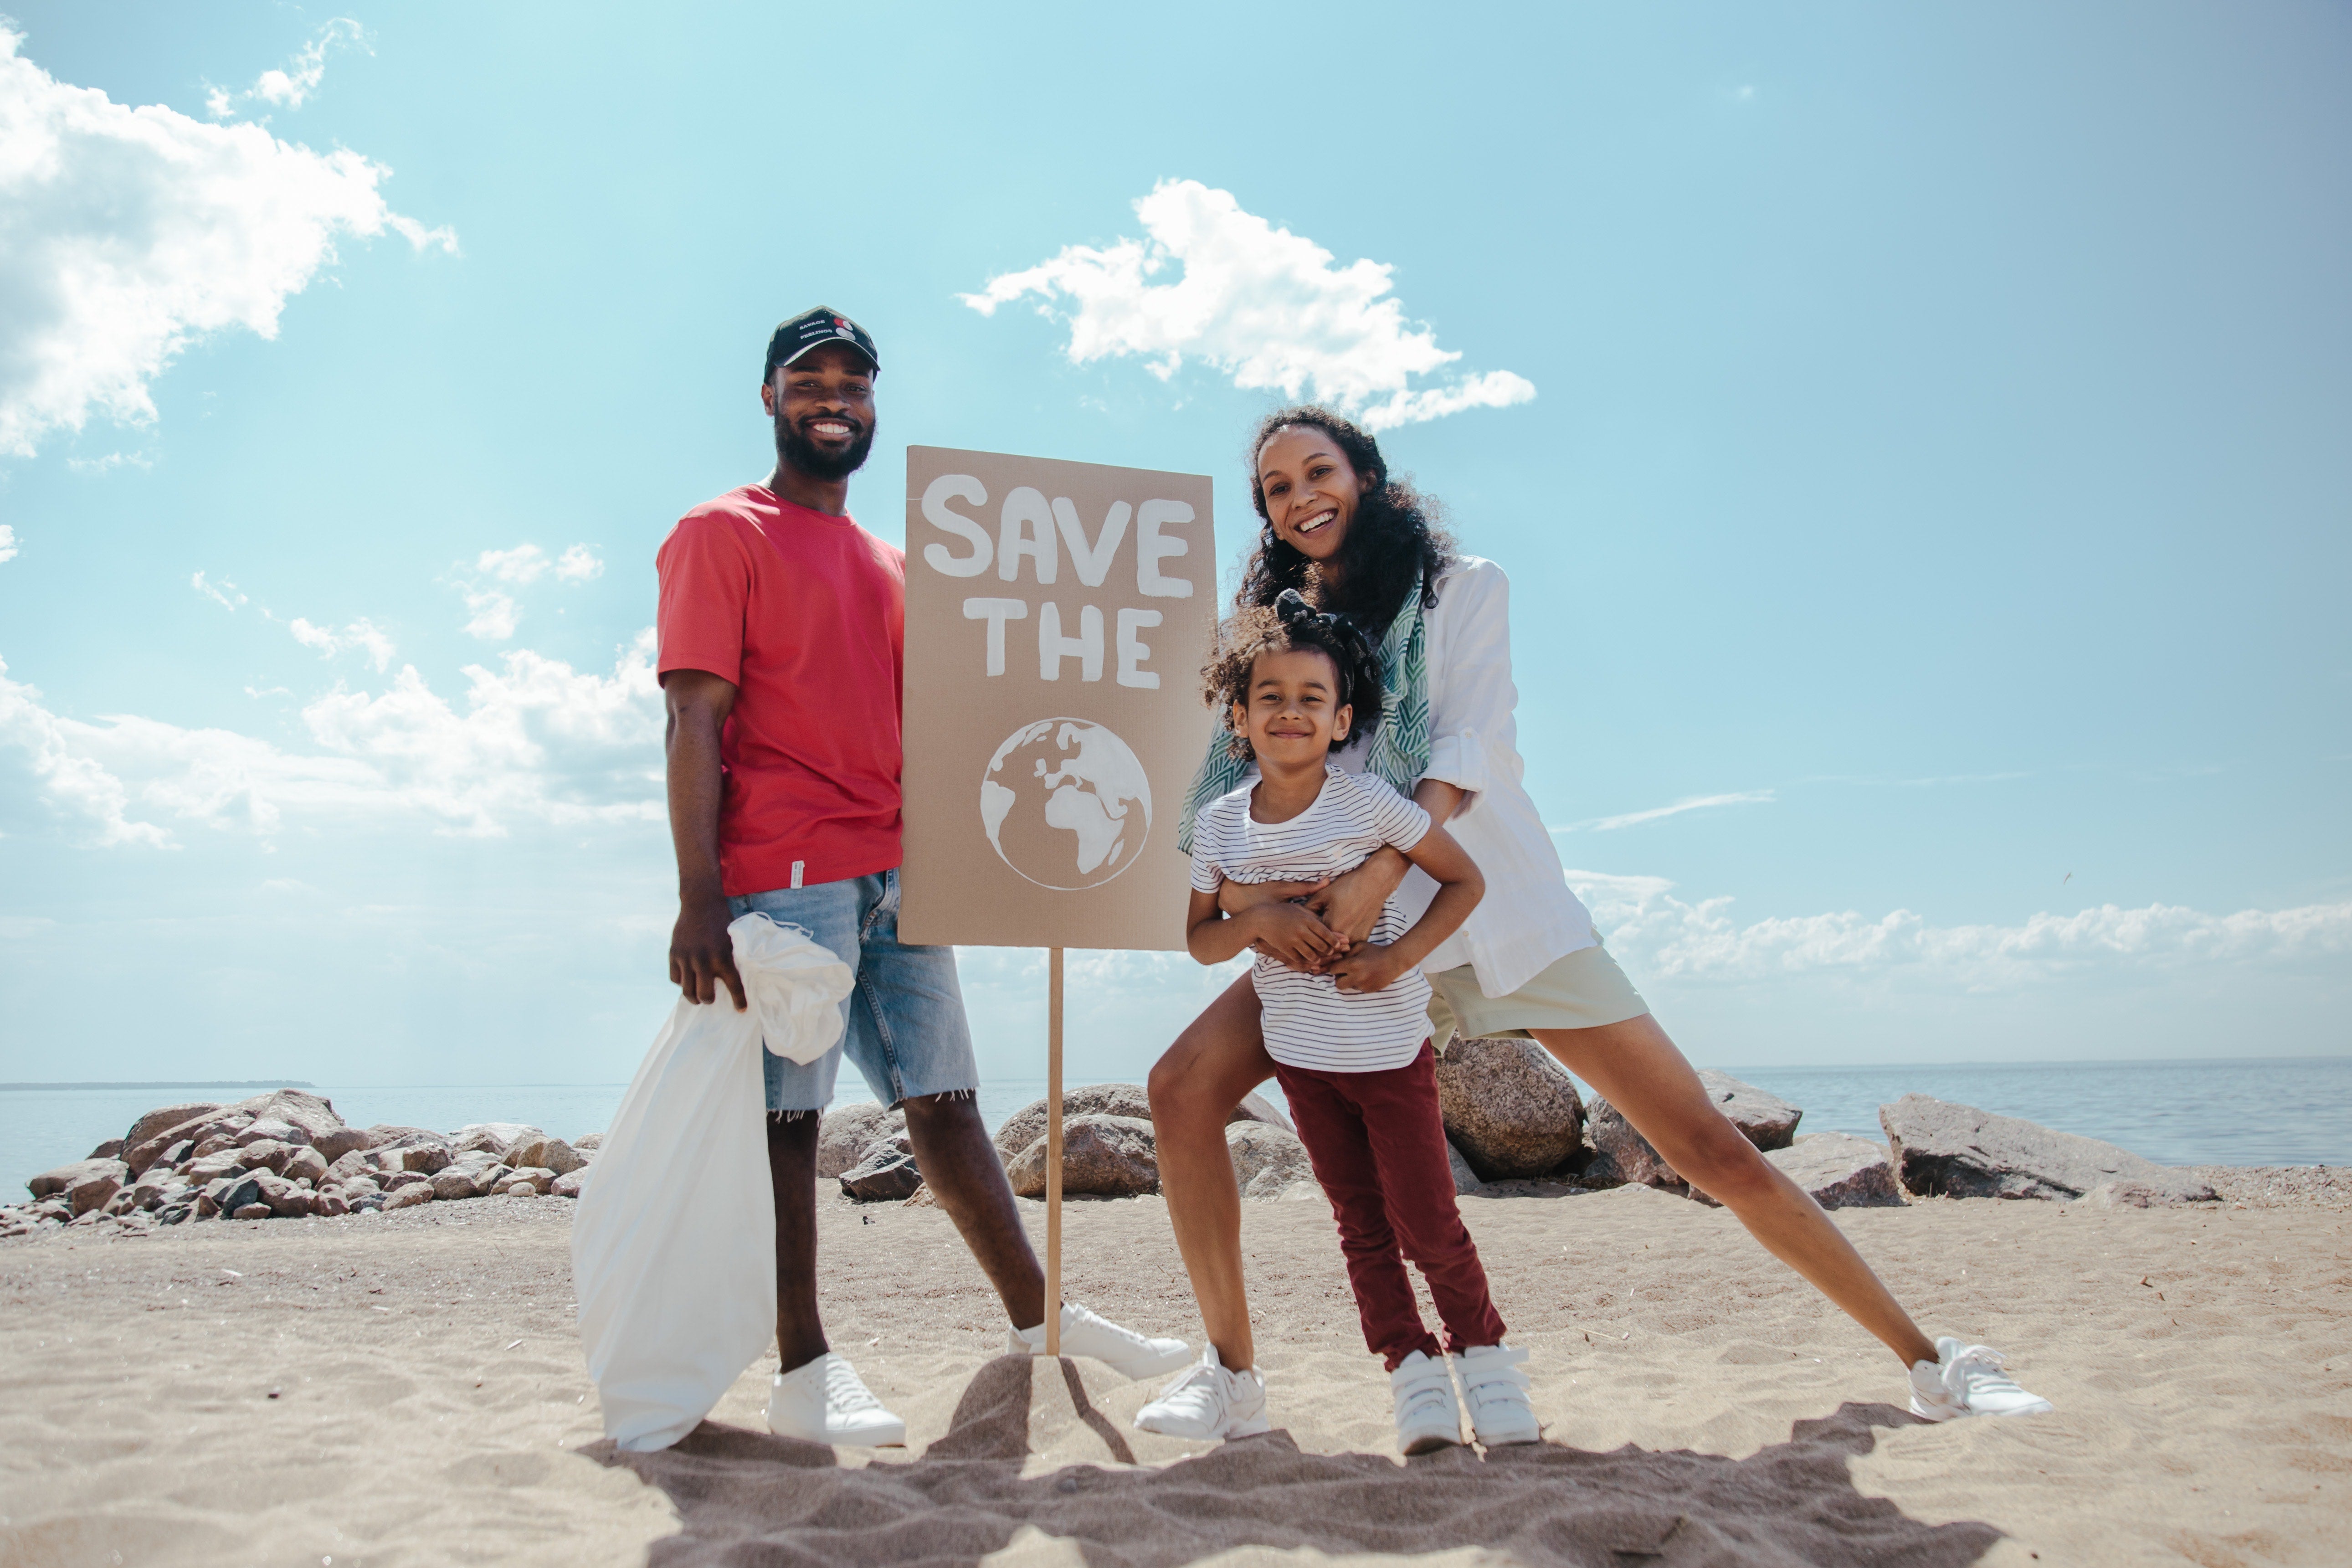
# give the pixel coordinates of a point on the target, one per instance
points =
(905, 1022)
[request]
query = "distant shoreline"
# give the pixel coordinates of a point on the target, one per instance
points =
(178, 1083)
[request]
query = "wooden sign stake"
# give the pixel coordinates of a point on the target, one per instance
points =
(1054, 1156)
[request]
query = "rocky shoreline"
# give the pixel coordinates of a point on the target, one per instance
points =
(286, 1155)
(1515, 1122)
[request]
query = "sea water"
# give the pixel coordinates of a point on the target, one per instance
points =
(2275, 1112)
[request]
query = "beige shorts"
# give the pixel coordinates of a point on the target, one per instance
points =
(1581, 991)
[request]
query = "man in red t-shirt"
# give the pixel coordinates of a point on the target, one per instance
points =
(783, 630)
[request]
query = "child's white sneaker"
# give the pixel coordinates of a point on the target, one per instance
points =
(825, 1401)
(1968, 1380)
(1496, 1390)
(1206, 1402)
(1123, 1350)
(1427, 1415)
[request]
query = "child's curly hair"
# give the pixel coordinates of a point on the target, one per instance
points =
(1289, 625)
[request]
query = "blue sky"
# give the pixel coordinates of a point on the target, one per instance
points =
(1915, 435)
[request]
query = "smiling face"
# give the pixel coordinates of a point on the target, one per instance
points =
(822, 405)
(1310, 488)
(1293, 717)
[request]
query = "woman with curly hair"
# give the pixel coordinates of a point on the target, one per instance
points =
(1354, 539)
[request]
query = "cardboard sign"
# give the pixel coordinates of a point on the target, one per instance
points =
(1057, 614)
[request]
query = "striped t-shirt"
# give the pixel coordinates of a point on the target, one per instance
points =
(1308, 1020)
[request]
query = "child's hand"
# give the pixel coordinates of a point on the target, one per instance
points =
(1292, 935)
(1370, 967)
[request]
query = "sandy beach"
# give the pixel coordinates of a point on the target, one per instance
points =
(408, 1389)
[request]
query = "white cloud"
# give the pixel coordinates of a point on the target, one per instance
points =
(360, 635)
(578, 564)
(1698, 803)
(534, 741)
(1267, 307)
(523, 564)
(22, 926)
(494, 614)
(8, 544)
(108, 463)
(1660, 936)
(132, 233)
(290, 88)
(222, 594)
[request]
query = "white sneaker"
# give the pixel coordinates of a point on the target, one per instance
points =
(1496, 1390)
(1427, 1415)
(826, 1402)
(1206, 1402)
(1968, 1380)
(1124, 1351)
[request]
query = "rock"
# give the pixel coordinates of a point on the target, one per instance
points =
(567, 1184)
(1111, 1156)
(422, 1152)
(1509, 1109)
(534, 1179)
(1841, 1171)
(354, 1163)
(491, 1137)
(213, 1167)
(333, 1145)
(149, 1189)
(96, 1186)
(214, 1143)
(849, 1132)
(454, 1181)
(110, 1149)
(1266, 1159)
(205, 1123)
(1025, 1126)
(1945, 1150)
(250, 1211)
(265, 1153)
(588, 1143)
(178, 1153)
(273, 1129)
(886, 1175)
(1764, 1120)
(332, 1203)
(408, 1196)
(121, 1203)
(548, 1153)
(1466, 1180)
(302, 1163)
(1629, 1159)
(308, 1112)
(400, 1179)
(50, 1183)
(164, 1119)
(1257, 1107)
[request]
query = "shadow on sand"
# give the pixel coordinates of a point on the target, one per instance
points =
(747, 1498)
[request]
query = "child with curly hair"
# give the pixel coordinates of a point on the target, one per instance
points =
(1349, 1034)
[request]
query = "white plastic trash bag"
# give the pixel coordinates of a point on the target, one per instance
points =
(674, 1246)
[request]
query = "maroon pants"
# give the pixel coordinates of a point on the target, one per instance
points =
(1378, 1148)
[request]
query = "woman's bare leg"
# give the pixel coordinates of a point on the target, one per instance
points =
(1637, 1068)
(1195, 1084)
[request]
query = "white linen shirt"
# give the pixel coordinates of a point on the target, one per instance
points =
(1529, 919)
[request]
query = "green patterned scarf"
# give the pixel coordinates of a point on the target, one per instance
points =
(1399, 744)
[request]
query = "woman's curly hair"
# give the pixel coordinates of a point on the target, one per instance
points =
(1397, 543)
(1287, 625)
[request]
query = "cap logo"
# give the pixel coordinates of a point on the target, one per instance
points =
(842, 332)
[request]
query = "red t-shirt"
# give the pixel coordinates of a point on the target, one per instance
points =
(806, 613)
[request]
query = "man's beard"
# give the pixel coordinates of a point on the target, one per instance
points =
(804, 456)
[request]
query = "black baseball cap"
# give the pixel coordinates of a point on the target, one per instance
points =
(813, 330)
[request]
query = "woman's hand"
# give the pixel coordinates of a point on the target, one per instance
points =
(1352, 904)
